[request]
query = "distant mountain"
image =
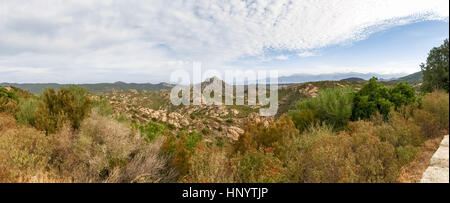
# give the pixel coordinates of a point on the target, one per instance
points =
(353, 79)
(414, 78)
(300, 78)
(37, 88)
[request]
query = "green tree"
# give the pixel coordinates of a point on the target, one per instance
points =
(402, 94)
(372, 98)
(436, 69)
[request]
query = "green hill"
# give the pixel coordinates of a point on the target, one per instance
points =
(37, 88)
(414, 78)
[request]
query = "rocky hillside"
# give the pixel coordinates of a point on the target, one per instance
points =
(218, 120)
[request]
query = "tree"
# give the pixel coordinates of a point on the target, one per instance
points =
(372, 98)
(375, 98)
(436, 69)
(402, 94)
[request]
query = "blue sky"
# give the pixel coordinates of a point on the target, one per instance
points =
(85, 41)
(397, 50)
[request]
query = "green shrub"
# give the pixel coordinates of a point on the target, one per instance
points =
(192, 139)
(304, 118)
(102, 107)
(332, 106)
(152, 130)
(406, 154)
(206, 131)
(27, 110)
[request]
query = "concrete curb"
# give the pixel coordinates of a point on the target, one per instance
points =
(438, 171)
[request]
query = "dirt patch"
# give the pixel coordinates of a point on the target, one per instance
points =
(412, 172)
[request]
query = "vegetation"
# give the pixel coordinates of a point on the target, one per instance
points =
(375, 98)
(69, 105)
(436, 69)
(340, 134)
(332, 106)
(8, 101)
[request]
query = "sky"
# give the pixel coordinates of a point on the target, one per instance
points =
(85, 41)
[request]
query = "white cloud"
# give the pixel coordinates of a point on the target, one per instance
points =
(150, 36)
(282, 57)
(306, 54)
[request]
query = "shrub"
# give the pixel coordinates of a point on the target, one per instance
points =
(375, 160)
(209, 165)
(152, 130)
(24, 152)
(206, 131)
(102, 107)
(76, 104)
(304, 118)
(320, 155)
(433, 117)
(27, 111)
(258, 167)
(192, 139)
(8, 101)
(333, 106)
(256, 137)
(181, 157)
(406, 154)
(146, 165)
(69, 105)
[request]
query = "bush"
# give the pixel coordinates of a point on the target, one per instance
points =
(152, 130)
(259, 167)
(433, 116)
(68, 105)
(24, 152)
(256, 137)
(8, 101)
(332, 106)
(304, 118)
(27, 111)
(108, 151)
(375, 160)
(192, 139)
(209, 165)
(102, 107)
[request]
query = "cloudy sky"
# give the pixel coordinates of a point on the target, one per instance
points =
(87, 41)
